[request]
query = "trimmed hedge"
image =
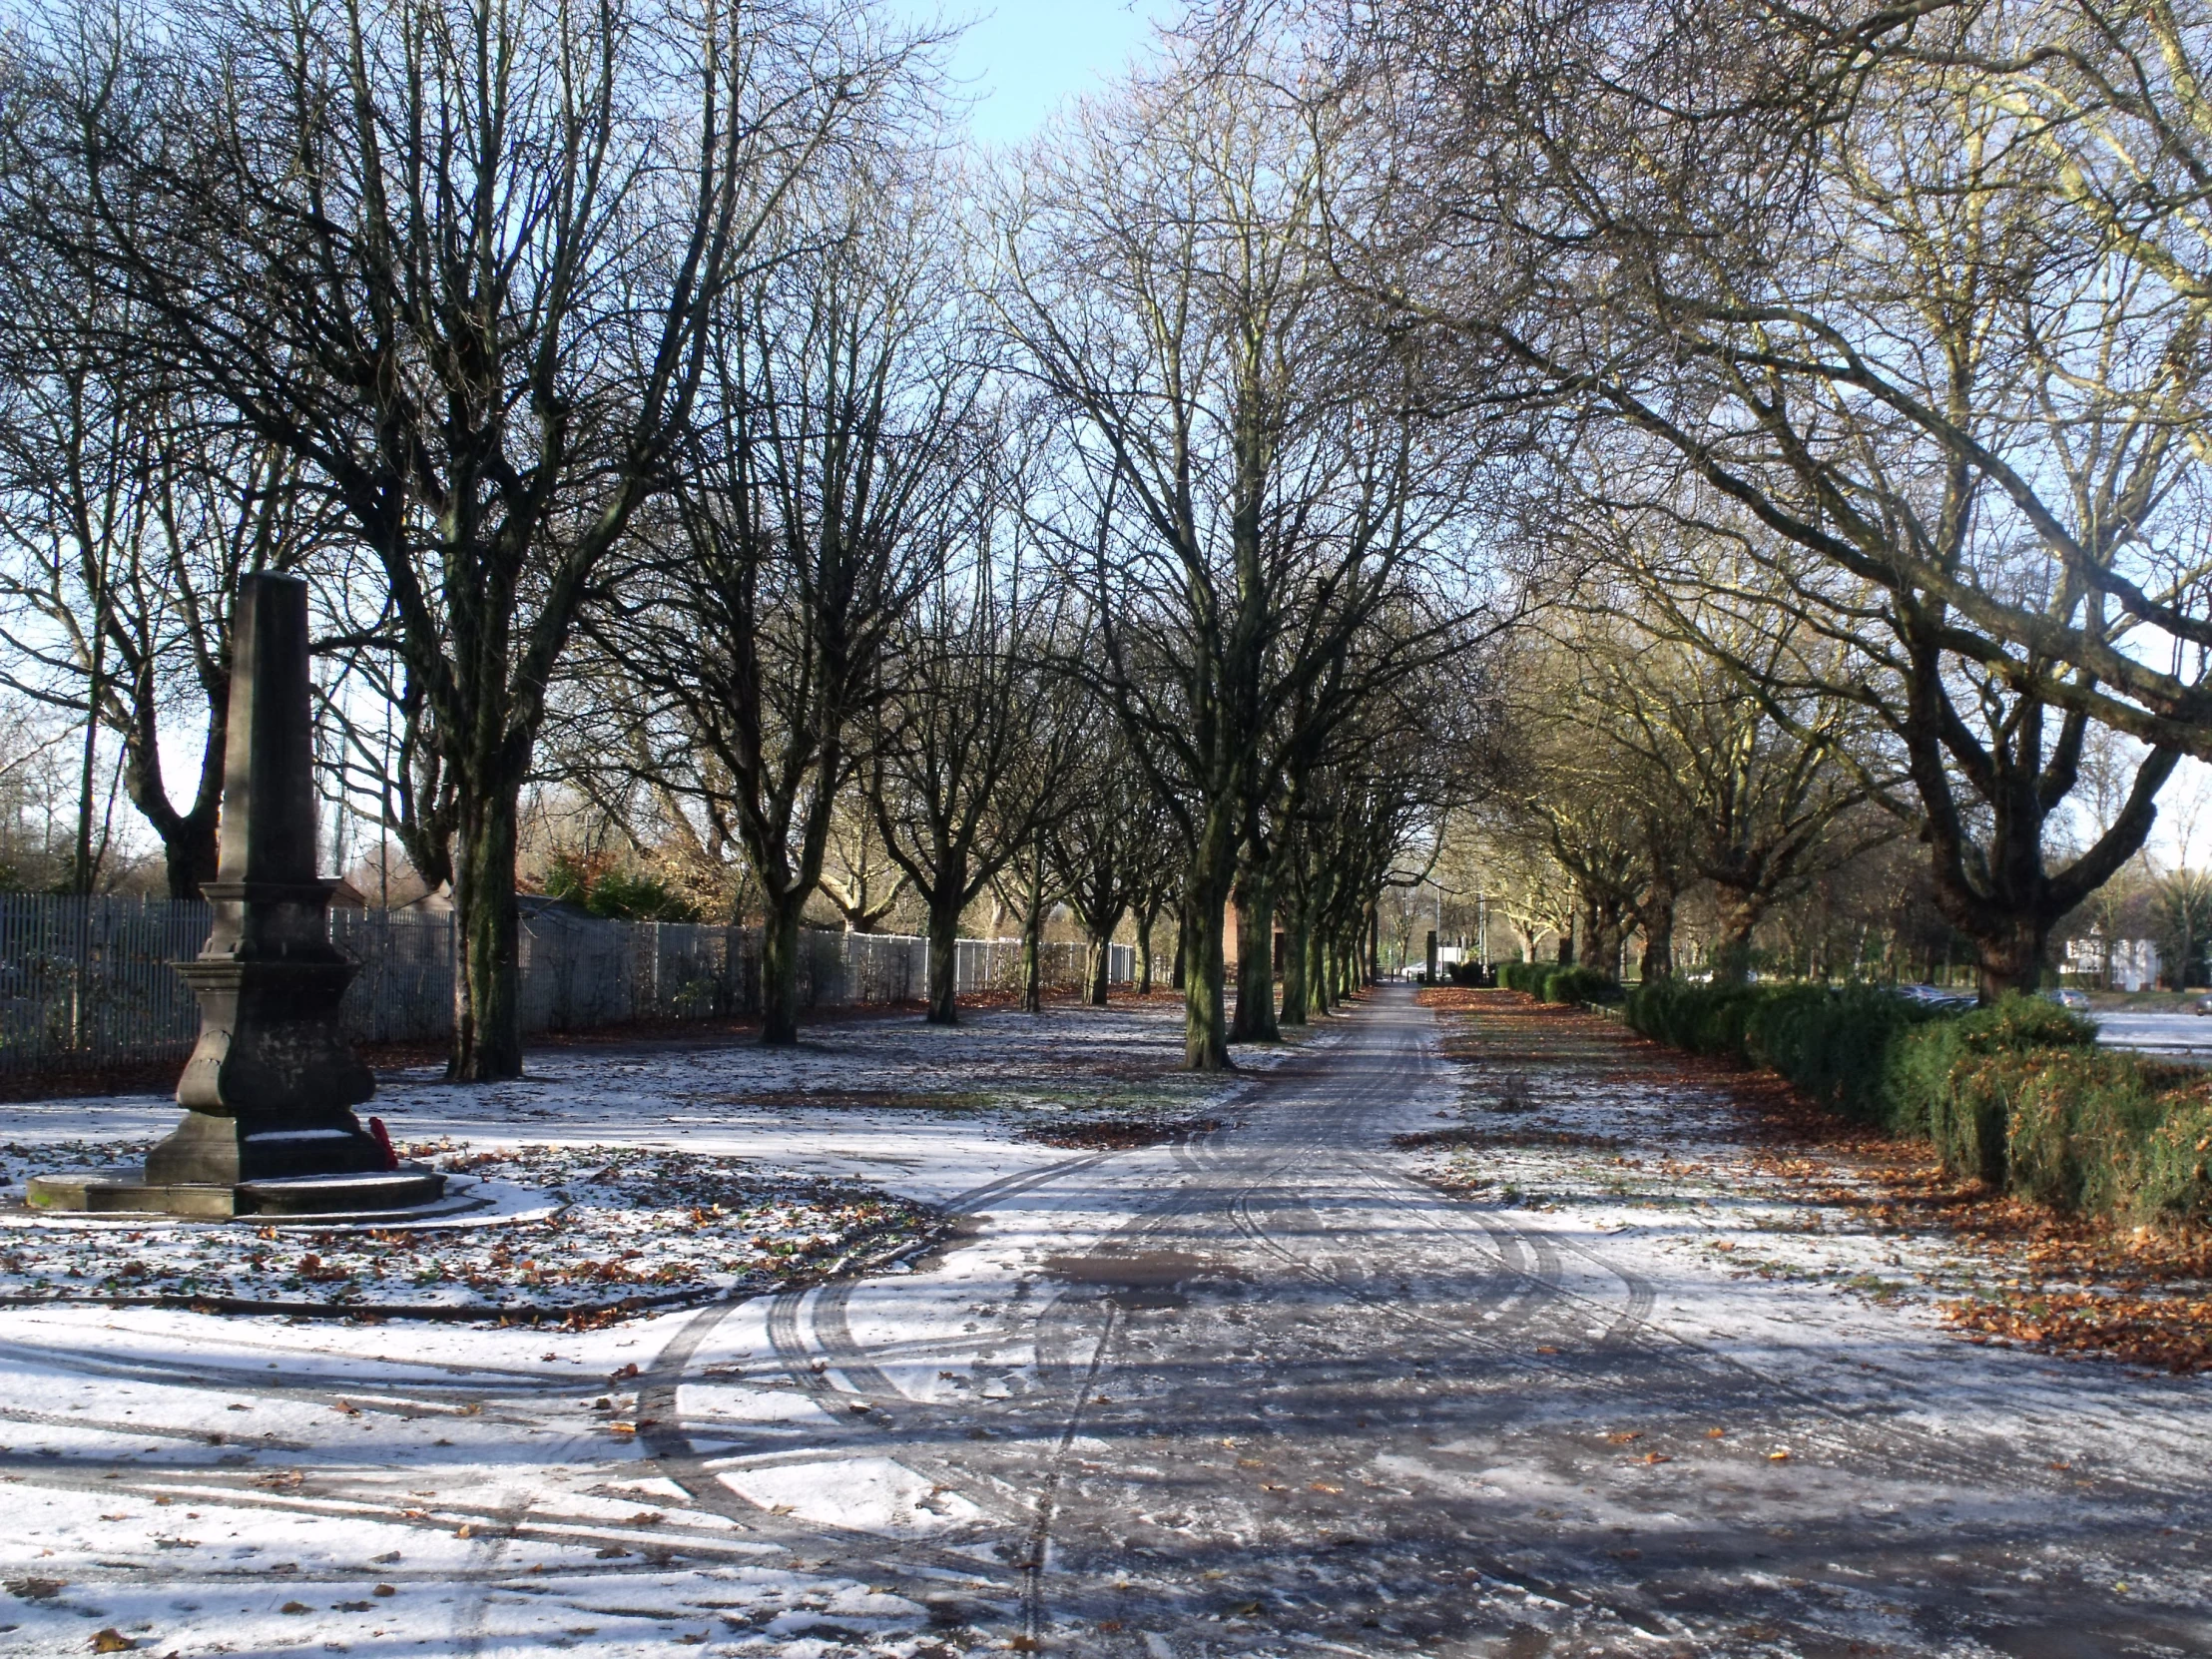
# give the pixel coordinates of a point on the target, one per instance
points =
(1526, 977)
(1941, 1091)
(1580, 984)
(2017, 1095)
(1550, 982)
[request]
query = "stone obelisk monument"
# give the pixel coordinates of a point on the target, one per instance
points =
(271, 1089)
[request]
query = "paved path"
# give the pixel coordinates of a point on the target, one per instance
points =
(1300, 1390)
(2178, 1035)
(1262, 1391)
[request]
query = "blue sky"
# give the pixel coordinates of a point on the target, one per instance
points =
(1020, 59)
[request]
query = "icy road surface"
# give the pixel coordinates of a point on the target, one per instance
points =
(1265, 1391)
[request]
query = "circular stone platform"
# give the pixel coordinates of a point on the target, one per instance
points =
(407, 1189)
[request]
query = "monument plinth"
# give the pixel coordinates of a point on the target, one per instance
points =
(270, 1091)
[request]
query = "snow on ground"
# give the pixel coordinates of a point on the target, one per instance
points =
(564, 1229)
(1638, 1175)
(664, 1175)
(195, 1483)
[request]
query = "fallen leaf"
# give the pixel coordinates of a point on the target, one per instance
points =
(383, 1590)
(1657, 1457)
(295, 1607)
(1716, 1434)
(112, 1640)
(345, 1408)
(467, 1529)
(1324, 1486)
(646, 1517)
(1625, 1436)
(1780, 1456)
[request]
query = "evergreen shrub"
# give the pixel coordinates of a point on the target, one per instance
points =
(2017, 1095)
(1580, 984)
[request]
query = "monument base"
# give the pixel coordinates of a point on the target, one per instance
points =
(207, 1150)
(129, 1191)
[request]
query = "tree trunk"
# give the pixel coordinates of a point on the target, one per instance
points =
(1566, 945)
(944, 956)
(780, 971)
(1739, 916)
(1146, 921)
(1102, 958)
(81, 877)
(1657, 921)
(1297, 949)
(1032, 940)
(1205, 999)
(1612, 939)
(2013, 959)
(487, 1031)
(189, 854)
(1255, 1022)
(1179, 968)
(189, 851)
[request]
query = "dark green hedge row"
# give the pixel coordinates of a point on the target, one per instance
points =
(2017, 1094)
(1526, 977)
(1550, 982)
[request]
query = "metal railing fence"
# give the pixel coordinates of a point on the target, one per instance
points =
(89, 984)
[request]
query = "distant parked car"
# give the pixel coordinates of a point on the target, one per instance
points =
(1936, 996)
(2078, 1002)
(2202, 1005)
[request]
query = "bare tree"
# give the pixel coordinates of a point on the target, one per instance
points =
(1247, 453)
(128, 511)
(858, 874)
(457, 258)
(812, 505)
(1865, 343)
(971, 755)
(1104, 843)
